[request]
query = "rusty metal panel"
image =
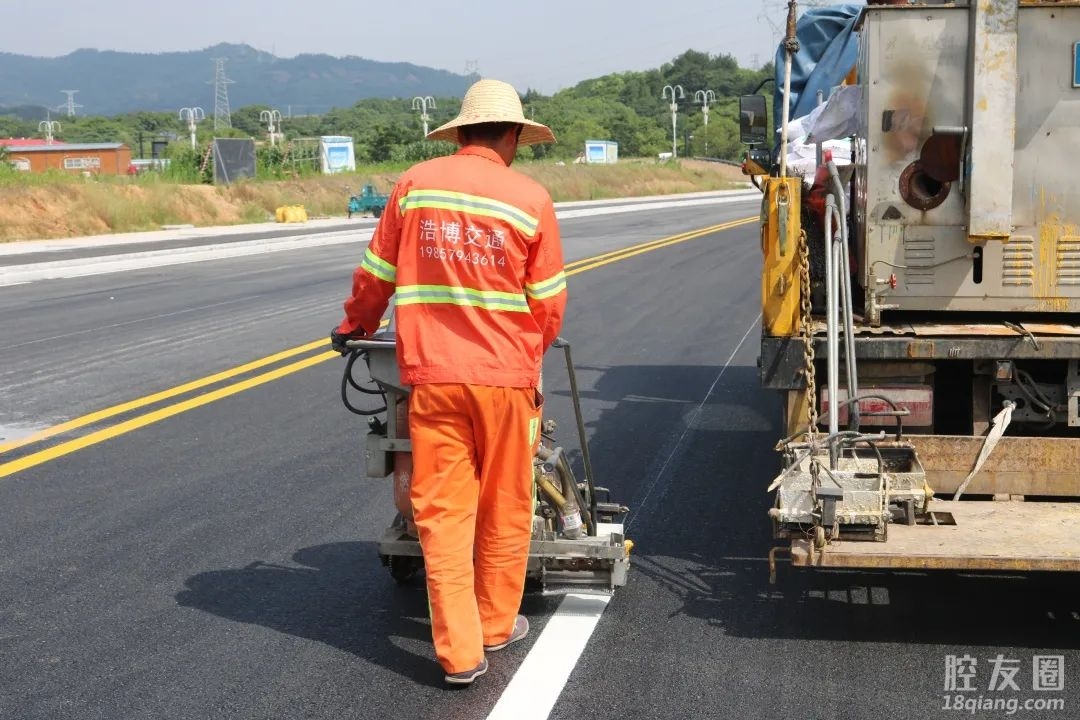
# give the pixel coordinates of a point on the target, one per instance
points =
(915, 75)
(993, 118)
(1001, 300)
(1018, 466)
(986, 536)
(990, 347)
(960, 329)
(961, 341)
(1046, 201)
(993, 329)
(989, 81)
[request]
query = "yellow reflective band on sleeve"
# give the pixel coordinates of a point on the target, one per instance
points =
(546, 288)
(379, 267)
(449, 295)
(473, 204)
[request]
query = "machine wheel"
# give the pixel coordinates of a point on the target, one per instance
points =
(349, 213)
(819, 537)
(403, 568)
(377, 212)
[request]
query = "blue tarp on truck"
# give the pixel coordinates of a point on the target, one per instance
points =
(828, 50)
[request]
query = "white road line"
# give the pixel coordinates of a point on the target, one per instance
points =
(25, 247)
(105, 264)
(122, 262)
(689, 424)
(539, 681)
(537, 684)
(20, 247)
(667, 205)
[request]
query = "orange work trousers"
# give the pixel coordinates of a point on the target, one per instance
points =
(472, 499)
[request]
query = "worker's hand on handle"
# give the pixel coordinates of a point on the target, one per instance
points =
(338, 340)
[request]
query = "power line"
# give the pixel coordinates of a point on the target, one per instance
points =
(222, 115)
(70, 105)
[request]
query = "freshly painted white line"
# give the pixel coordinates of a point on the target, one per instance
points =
(689, 424)
(639, 207)
(539, 681)
(22, 247)
(537, 684)
(103, 264)
(749, 189)
(108, 263)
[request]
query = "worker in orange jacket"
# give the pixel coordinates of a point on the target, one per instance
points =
(470, 250)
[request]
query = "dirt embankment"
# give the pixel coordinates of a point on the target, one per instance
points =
(84, 207)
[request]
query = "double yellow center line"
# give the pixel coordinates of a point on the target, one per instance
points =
(168, 411)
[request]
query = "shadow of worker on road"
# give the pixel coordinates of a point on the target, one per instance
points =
(338, 594)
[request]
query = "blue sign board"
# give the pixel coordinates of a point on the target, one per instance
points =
(1076, 65)
(337, 154)
(338, 157)
(601, 151)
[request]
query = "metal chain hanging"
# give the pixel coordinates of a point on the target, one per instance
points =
(806, 330)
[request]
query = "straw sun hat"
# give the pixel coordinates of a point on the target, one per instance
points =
(493, 101)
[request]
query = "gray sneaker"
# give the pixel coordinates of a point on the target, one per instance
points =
(467, 677)
(521, 629)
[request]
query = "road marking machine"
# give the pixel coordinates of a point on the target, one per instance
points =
(578, 545)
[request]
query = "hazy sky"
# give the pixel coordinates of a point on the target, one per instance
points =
(543, 44)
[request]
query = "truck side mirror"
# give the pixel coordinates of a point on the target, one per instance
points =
(753, 120)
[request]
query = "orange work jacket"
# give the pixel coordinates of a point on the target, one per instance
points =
(470, 251)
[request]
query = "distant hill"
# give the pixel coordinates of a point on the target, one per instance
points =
(29, 113)
(111, 83)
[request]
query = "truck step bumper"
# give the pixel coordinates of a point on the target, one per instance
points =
(971, 535)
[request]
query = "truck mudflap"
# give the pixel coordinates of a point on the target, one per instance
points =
(963, 535)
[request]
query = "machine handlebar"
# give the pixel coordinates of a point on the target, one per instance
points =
(370, 343)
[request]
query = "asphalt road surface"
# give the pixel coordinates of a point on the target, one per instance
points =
(208, 551)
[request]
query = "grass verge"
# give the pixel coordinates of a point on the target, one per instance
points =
(70, 206)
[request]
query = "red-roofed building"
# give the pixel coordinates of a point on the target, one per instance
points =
(37, 155)
(22, 142)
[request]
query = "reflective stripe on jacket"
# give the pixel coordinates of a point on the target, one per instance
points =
(470, 250)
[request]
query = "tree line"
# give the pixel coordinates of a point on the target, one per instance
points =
(627, 108)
